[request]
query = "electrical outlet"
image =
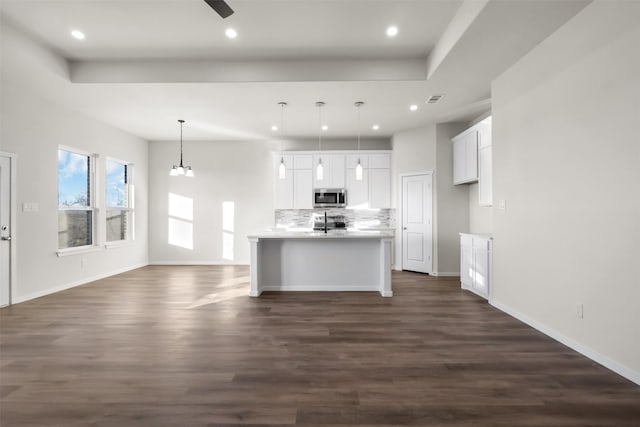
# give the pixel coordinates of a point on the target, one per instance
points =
(580, 310)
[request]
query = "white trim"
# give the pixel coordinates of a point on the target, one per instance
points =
(182, 262)
(119, 244)
(434, 246)
(13, 222)
(78, 251)
(445, 273)
(77, 283)
(605, 361)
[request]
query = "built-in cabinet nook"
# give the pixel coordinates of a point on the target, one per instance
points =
(472, 163)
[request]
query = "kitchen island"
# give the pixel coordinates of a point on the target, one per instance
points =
(339, 260)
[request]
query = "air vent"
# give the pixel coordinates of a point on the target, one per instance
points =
(434, 99)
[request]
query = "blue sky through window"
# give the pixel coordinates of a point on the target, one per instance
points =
(73, 179)
(116, 184)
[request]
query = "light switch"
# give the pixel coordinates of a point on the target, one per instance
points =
(30, 207)
(502, 204)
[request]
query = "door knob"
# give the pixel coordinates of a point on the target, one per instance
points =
(5, 238)
(404, 228)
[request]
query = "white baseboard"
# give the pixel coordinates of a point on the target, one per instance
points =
(605, 361)
(446, 273)
(318, 288)
(23, 298)
(196, 263)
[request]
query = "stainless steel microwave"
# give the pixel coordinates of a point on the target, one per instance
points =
(329, 198)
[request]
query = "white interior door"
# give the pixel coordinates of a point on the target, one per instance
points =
(417, 234)
(5, 230)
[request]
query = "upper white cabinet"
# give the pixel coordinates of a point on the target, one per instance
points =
(357, 191)
(374, 191)
(465, 157)
(295, 191)
(303, 161)
(333, 166)
(302, 189)
(283, 187)
(380, 188)
(352, 160)
(485, 163)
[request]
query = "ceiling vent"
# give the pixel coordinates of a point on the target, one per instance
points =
(434, 99)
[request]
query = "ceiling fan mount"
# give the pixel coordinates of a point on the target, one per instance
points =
(221, 7)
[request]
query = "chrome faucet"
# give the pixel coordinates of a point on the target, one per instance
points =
(325, 222)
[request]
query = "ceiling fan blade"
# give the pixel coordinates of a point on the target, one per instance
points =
(221, 7)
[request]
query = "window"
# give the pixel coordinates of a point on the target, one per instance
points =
(75, 199)
(119, 201)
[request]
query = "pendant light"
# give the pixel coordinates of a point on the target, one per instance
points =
(359, 166)
(181, 170)
(319, 168)
(282, 171)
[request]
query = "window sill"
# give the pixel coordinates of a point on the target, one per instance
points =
(118, 244)
(77, 251)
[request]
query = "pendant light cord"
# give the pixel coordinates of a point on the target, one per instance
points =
(359, 104)
(181, 122)
(319, 104)
(282, 105)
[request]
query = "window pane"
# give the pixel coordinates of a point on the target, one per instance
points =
(74, 228)
(73, 179)
(117, 225)
(116, 185)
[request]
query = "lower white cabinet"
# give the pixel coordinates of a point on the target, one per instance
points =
(475, 263)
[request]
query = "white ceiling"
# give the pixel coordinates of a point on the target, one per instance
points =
(276, 41)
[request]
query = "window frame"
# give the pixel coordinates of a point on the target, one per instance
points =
(92, 205)
(130, 208)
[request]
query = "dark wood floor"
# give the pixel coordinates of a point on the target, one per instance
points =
(185, 346)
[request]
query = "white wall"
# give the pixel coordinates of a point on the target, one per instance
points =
(567, 162)
(413, 151)
(429, 149)
(237, 172)
(452, 213)
(33, 127)
(480, 217)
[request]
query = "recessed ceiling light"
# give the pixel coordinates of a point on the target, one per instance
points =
(392, 31)
(325, 127)
(414, 107)
(375, 127)
(77, 34)
(274, 128)
(231, 33)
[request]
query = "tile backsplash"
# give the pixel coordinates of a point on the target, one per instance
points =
(355, 218)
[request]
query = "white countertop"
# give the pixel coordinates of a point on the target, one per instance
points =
(483, 235)
(331, 234)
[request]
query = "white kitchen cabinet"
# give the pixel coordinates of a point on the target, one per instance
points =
(379, 188)
(465, 157)
(302, 189)
(357, 191)
(352, 160)
(302, 161)
(485, 163)
(485, 176)
(296, 190)
(379, 161)
(475, 263)
(283, 187)
(334, 171)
